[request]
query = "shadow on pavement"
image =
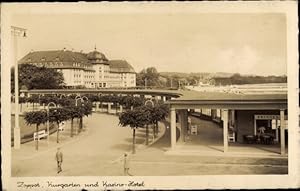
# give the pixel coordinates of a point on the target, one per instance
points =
(165, 141)
(121, 147)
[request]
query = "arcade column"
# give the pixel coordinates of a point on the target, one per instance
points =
(225, 129)
(282, 132)
(173, 127)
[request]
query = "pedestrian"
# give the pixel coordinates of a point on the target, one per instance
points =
(126, 165)
(59, 159)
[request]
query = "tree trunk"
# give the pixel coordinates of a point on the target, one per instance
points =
(21, 107)
(37, 140)
(147, 135)
(57, 138)
(133, 142)
(72, 120)
(131, 108)
(80, 124)
(156, 129)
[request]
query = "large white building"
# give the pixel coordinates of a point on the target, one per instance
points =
(92, 70)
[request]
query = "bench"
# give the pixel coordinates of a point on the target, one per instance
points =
(231, 137)
(194, 130)
(39, 134)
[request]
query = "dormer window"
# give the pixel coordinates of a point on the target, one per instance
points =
(43, 59)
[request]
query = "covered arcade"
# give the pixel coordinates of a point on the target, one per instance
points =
(243, 119)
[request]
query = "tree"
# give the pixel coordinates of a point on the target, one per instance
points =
(159, 112)
(37, 118)
(135, 119)
(33, 77)
(148, 77)
(73, 113)
(83, 109)
(58, 115)
(131, 102)
(147, 111)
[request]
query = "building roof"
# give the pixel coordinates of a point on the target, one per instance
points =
(65, 59)
(120, 66)
(59, 59)
(213, 96)
(54, 55)
(194, 99)
(96, 57)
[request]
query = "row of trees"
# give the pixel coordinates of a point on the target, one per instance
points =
(239, 79)
(126, 101)
(150, 77)
(136, 114)
(143, 117)
(66, 110)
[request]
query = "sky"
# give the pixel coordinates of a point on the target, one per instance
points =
(246, 43)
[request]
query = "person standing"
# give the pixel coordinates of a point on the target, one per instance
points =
(126, 165)
(59, 159)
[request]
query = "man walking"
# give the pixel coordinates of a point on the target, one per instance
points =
(59, 159)
(126, 165)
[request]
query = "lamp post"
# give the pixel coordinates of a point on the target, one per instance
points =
(76, 99)
(48, 131)
(16, 32)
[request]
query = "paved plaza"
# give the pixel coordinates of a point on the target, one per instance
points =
(98, 151)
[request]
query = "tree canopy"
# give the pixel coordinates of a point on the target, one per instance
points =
(33, 77)
(148, 77)
(134, 118)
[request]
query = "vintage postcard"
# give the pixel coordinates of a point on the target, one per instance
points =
(149, 95)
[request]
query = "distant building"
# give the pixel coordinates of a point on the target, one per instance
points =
(92, 70)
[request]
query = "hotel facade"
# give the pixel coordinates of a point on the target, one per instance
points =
(91, 70)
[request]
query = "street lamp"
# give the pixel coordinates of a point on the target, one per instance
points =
(16, 32)
(76, 99)
(48, 107)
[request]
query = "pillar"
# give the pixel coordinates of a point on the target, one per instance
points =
(282, 134)
(173, 127)
(163, 98)
(183, 124)
(180, 117)
(225, 129)
(97, 106)
(121, 108)
(109, 108)
(232, 118)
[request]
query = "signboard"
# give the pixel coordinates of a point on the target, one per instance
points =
(267, 117)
